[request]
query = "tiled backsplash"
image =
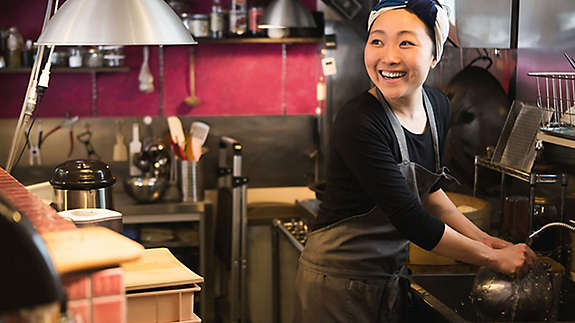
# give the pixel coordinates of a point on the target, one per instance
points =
(231, 79)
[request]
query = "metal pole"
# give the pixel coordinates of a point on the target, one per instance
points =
(276, 271)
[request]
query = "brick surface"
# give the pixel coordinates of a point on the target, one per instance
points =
(77, 286)
(109, 309)
(43, 217)
(80, 310)
(108, 282)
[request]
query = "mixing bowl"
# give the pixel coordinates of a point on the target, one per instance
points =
(146, 189)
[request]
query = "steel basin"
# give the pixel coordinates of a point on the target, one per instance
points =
(445, 298)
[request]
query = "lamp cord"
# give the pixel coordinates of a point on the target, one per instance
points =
(41, 91)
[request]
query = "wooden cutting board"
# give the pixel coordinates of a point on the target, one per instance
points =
(90, 248)
(157, 268)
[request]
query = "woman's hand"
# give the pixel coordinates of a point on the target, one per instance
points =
(494, 242)
(513, 260)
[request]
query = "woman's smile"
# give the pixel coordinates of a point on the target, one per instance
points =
(392, 75)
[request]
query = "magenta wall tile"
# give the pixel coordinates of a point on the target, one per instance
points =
(12, 91)
(119, 94)
(67, 92)
(303, 71)
(231, 79)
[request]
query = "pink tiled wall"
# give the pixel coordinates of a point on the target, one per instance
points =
(231, 79)
(97, 297)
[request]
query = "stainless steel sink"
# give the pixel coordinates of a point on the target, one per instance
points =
(445, 298)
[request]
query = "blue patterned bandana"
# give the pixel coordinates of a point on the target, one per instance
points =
(433, 13)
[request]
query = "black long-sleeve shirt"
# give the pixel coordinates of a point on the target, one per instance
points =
(363, 170)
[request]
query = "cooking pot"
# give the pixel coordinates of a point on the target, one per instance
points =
(82, 184)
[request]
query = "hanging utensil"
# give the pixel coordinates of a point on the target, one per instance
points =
(145, 77)
(199, 133)
(192, 100)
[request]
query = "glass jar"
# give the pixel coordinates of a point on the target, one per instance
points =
(94, 58)
(59, 58)
(200, 25)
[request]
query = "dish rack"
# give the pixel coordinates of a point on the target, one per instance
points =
(556, 101)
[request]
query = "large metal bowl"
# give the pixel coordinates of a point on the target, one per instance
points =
(146, 189)
(498, 297)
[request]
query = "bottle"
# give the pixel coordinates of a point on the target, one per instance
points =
(135, 147)
(238, 17)
(28, 54)
(14, 45)
(75, 59)
(217, 20)
(255, 16)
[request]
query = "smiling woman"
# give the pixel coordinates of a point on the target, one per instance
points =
(383, 188)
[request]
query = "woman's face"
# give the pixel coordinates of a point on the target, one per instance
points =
(398, 54)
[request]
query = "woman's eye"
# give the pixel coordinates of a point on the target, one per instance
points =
(406, 43)
(376, 42)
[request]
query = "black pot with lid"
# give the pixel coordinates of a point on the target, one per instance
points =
(82, 183)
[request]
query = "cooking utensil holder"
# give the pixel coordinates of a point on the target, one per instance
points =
(190, 180)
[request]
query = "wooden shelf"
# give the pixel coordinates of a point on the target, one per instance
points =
(262, 40)
(70, 70)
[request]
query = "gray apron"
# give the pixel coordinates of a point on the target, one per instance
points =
(354, 270)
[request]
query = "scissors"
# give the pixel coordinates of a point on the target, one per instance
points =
(68, 123)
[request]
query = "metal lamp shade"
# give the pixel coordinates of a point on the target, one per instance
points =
(287, 14)
(115, 22)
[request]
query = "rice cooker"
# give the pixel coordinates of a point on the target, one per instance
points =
(82, 184)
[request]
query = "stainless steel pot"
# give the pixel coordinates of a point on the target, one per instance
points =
(501, 298)
(82, 184)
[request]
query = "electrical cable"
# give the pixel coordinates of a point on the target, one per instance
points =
(41, 91)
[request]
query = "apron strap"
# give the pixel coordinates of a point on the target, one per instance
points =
(400, 135)
(433, 127)
(397, 128)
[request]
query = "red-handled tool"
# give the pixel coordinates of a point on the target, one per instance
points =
(68, 123)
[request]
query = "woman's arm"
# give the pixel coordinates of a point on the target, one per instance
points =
(439, 204)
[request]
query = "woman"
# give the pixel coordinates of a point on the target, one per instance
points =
(383, 175)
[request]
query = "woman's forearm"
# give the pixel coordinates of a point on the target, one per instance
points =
(440, 205)
(460, 247)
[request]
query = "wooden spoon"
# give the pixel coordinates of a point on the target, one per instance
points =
(192, 100)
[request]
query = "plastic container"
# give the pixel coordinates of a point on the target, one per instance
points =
(163, 306)
(94, 217)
